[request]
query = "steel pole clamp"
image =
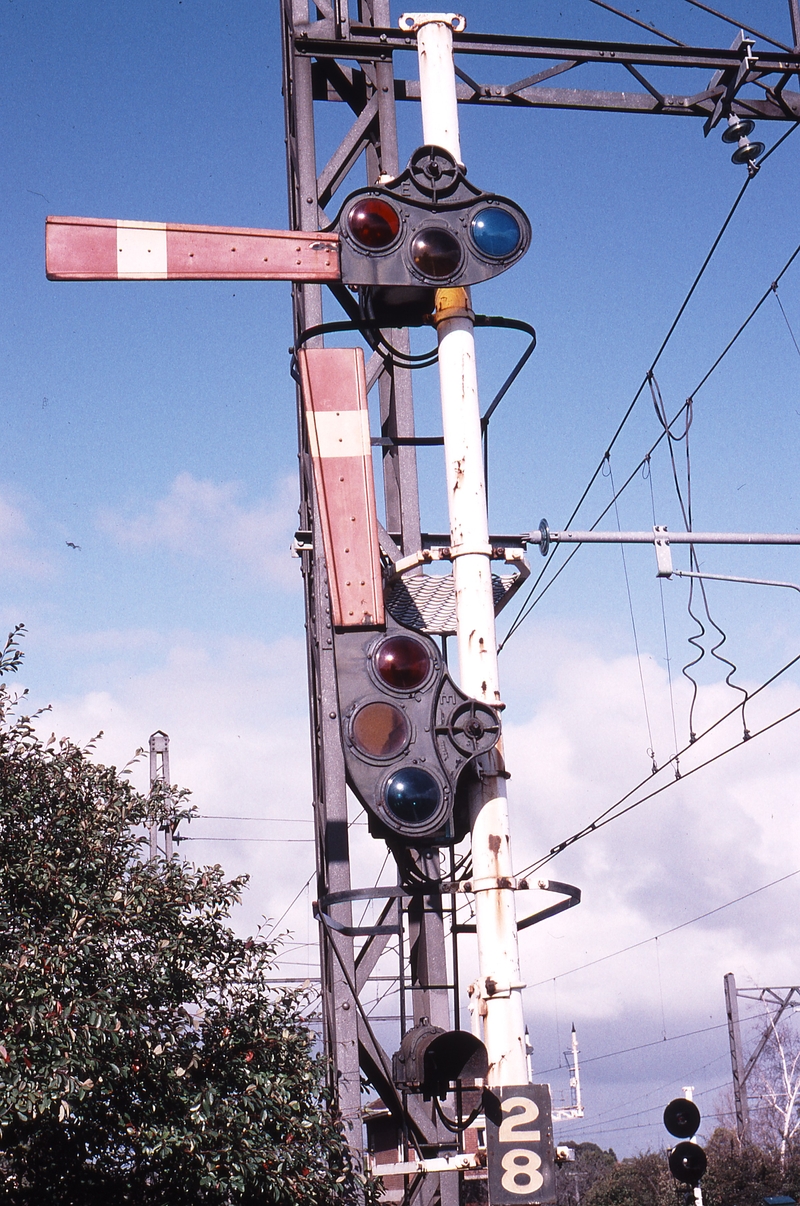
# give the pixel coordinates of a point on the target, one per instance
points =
(411, 22)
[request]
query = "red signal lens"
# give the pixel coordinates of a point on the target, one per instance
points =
(380, 730)
(403, 663)
(373, 222)
(436, 252)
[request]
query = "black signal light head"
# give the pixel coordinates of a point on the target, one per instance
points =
(682, 1118)
(687, 1163)
(408, 733)
(429, 227)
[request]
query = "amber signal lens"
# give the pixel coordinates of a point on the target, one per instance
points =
(403, 663)
(380, 730)
(374, 223)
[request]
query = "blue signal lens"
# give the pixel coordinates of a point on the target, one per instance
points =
(412, 795)
(496, 232)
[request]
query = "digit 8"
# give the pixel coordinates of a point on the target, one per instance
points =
(519, 1162)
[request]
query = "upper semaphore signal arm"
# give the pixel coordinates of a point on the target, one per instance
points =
(103, 249)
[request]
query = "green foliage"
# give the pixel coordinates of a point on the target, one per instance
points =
(643, 1181)
(144, 1058)
(743, 1173)
(739, 1174)
(574, 1178)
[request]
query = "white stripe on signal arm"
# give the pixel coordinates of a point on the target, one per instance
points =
(141, 251)
(338, 433)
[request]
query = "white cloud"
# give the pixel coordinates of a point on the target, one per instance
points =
(209, 521)
(17, 555)
(709, 838)
(236, 716)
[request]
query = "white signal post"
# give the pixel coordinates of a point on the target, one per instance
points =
(499, 986)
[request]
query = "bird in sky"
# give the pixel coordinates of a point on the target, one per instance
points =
(70, 545)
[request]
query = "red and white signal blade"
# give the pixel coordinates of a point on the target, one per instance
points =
(334, 391)
(97, 249)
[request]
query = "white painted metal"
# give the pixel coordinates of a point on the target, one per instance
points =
(499, 987)
(142, 250)
(437, 80)
(663, 553)
(435, 1164)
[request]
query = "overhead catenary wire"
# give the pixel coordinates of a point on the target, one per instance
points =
(739, 25)
(667, 658)
(785, 316)
(695, 638)
(606, 819)
(635, 21)
(650, 750)
(672, 930)
(603, 1117)
(659, 1042)
(530, 602)
(610, 813)
(523, 611)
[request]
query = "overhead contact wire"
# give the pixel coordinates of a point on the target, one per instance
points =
(600, 821)
(600, 824)
(529, 603)
(667, 657)
(524, 611)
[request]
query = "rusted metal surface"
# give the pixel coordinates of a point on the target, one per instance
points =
(98, 249)
(335, 397)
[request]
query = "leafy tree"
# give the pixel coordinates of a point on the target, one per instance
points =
(144, 1058)
(576, 1177)
(740, 1173)
(642, 1181)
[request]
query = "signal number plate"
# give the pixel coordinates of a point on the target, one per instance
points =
(519, 1146)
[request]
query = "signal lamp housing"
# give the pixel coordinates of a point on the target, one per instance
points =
(408, 733)
(687, 1163)
(687, 1160)
(428, 227)
(682, 1118)
(430, 1060)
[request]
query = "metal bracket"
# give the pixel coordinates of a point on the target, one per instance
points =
(322, 906)
(411, 22)
(572, 893)
(663, 553)
(439, 1164)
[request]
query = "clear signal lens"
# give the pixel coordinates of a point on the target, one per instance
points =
(412, 795)
(380, 730)
(374, 223)
(403, 663)
(436, 252)
(496, 232)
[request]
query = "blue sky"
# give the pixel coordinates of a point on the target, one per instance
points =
(153, 425)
